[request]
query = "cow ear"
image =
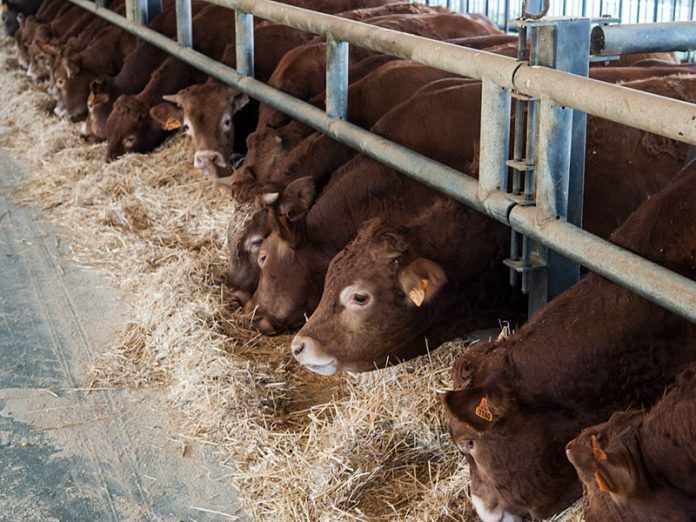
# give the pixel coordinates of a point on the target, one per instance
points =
(167, 115)
(99, 85)
(297, 197)
(72, 66)
(48, 48)
(616, 470)
(21, 19)
(421, 280)
(476, 407)
(240, 101)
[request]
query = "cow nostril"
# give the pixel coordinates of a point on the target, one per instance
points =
(298, 349)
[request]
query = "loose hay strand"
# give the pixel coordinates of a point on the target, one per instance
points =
(371, 447)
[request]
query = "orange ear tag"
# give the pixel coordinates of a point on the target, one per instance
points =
(603, 486)
(171, 124)
(597, 450)
(417, 295)
(483, 411)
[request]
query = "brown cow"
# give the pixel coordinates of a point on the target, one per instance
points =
(74, 70)
(595, 349)
(133, 76)
(640, 465)
(49, 10)
(206, 108)
(130, 127)
(369, 98)
(139, 65)
(210, 112)
(610, 198)
(73, 23)
(302, 74)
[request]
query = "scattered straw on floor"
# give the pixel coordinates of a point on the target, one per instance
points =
(298, 447)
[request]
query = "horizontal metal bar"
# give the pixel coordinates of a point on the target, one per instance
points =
(674, 292)
(647, 279)
(609, 101)
(639, 38)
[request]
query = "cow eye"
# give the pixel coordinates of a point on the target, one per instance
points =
(227, 123)
(185, 127)
(360, 299)
(262, 259)
(60, 82)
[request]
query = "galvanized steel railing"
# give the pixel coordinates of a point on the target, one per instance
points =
(557, 91)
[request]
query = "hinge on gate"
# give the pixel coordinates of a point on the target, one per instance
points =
(519, 266)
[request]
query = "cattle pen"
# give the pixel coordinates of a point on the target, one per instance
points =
(368, 447)
(553, 221)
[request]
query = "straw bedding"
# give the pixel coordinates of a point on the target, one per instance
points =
(298, 447)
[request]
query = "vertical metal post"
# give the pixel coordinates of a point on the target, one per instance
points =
(495, 138)
(132, 8)
(184, 28)
(584, 8)
(147, 10)
(244, 43)
(655, 11)
(507, 16)
(560, 159)
(336, 78)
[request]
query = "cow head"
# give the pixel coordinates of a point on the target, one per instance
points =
(375, 305)
(130, 128)
(71, 86)
(287, 290)
(42, 52)
(243, 245)
(610, 465)
(516, 451)
(206, 112)
(265, 148)
(100, 101)
(23, 37)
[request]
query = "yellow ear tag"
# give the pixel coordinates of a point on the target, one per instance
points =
(597, 450)
(603, 486)
(5, 8)
(483, 411)
(171, 124)
(417, 295)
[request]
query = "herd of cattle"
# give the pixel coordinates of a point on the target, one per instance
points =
(594, 395)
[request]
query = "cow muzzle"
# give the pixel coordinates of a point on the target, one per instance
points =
(210, 162)
(308, 353)
(61, 113)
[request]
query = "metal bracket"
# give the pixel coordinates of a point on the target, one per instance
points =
(521, 165)
(521, 268)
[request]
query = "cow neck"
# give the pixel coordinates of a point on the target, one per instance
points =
(169, 78)
(363, 189)
(603, 322)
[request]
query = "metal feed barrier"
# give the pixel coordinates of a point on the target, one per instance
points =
(552, 195)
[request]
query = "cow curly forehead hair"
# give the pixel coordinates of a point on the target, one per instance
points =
(378, 239)
(131, 107)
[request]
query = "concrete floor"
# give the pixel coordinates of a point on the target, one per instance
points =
(69, 455)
